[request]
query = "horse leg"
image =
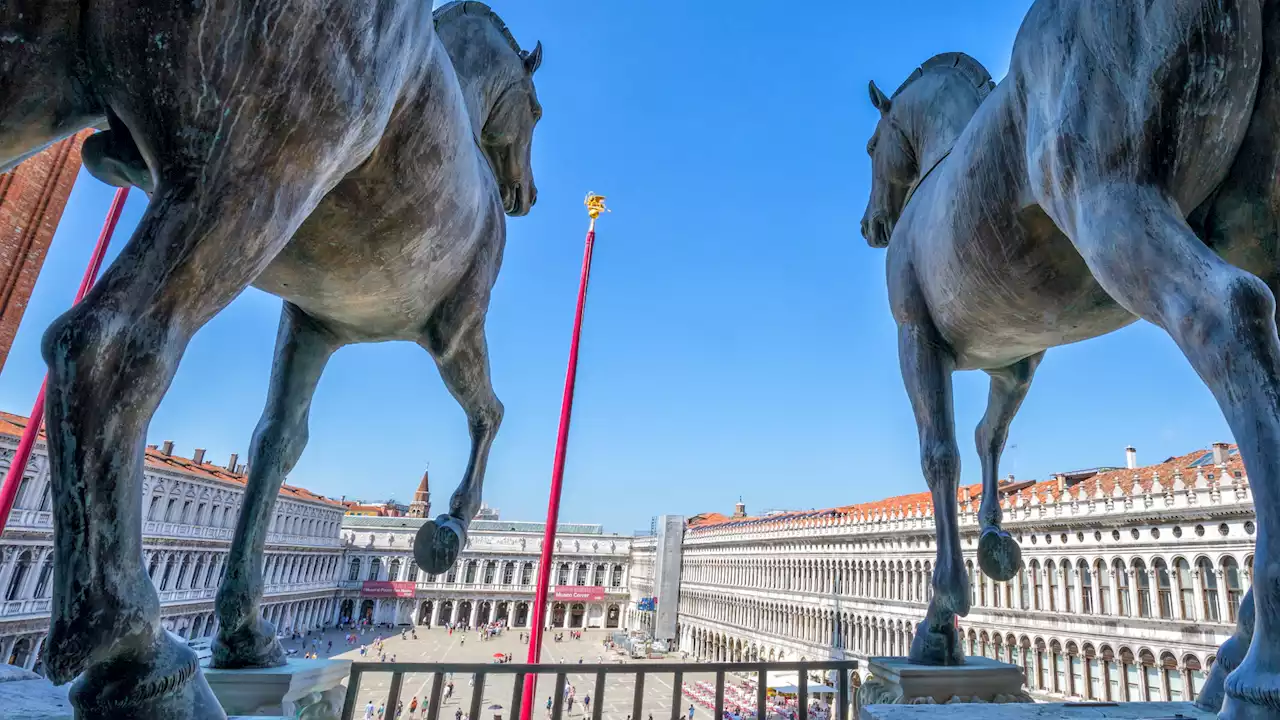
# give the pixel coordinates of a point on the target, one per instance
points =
(455, 338)
(1140, 249)
(998, 553)
(303, 347)
(926, 370)
(1233, 650)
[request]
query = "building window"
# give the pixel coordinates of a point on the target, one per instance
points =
(42, 582)
(1152, 674)
(1024, 590)
(1069, 584)
(355, 570)
(599, 575)
(1195, 677)
(508, 573)
(1164, 588)
(616, 580)
(452, 575)
(580, 577)
(488, 572)
(1094, 668)
(1143, 580)
(1104, 587)
(526, 574)
(375, 568)
(393, 571)
(562, 574)
(19, 574)
(1209, 588)
(1122, 588)
(1051, 575)
(1172, 677)
(1086, 588)
(1186, 590)
(413, 571)
(1077, 672)
(1231, 579)
(469, 574)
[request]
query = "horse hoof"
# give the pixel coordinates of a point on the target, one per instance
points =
(936, 645)
(438, 543)
(153, 678)
(999, 555)
(251, 645)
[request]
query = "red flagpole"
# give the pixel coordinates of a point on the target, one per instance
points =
(13, 478)
(595, 205)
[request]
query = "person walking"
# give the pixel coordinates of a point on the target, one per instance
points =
(586, 703)
(548, 706)
(690, 712)
(368, 711)
(413, 706)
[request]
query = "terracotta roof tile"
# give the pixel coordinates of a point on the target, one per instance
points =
(13, 425)
(1130, 481)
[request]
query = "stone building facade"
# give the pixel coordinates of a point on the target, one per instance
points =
(1132, 578)
(494, 579)
(190, 507)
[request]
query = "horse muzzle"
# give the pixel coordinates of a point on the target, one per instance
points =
(877, 230)
(517, 198)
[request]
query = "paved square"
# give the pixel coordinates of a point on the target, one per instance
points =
(438, 645)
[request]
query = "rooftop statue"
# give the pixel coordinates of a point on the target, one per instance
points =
(1125, 168)
(354, 159)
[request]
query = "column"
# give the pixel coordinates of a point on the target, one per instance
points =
(1224, 611)
(454, 611)
(475, 613)
(37, 644)
(6, 647)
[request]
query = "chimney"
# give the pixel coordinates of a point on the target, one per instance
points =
(198, 458)
(166, 447)
(231, 464)
(1220, 453)
(1130, 458)
(1062, 483)
(152, 447)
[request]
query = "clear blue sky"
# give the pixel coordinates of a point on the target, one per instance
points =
(737, 339)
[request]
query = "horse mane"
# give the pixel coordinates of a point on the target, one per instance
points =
(452, 10)
(958, 61)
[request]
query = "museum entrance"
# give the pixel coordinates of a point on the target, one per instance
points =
(424, 612)
(576, 615)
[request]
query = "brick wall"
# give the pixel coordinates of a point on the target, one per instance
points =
(32, 199)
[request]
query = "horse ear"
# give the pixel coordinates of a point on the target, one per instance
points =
(879, 99)
(533, 60)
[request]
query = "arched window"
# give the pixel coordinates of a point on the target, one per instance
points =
(1122, 587)
(489, 569)
(469, 574)
(1069, 586)
(1093, 689)
(1209, 588)
(1231, 579)
(616, 579)
(1172, 677)
(20, 572)
(1051, 576)
(1195, 677)
(1164, 588)
(1086, 587)
(42, 581)
(1076, 663)
(562, 574)
(1024, 589)
(1186, 588)
(1104, 587)
(182, 572)
(375, 568)
(164, 578)
(1058, 666)
(393, 570)
(580, 577)
(354, 575)
(1151, 673)
(1143, 581)
(413, 571)
(526, 573)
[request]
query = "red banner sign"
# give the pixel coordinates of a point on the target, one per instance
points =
(383, 588)
(579, 593)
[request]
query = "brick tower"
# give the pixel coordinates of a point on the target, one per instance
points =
(32, 199)
(421, 505)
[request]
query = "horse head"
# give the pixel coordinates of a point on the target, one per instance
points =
(497, 79)
(917, 127)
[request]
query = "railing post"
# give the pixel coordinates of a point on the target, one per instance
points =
(802, 684)
(677, 688)
(719, 695)
(842, 694)
(477, 696)
(762, 694)
(393, 696)
(637, 702)
(598, 710)
(437, 689)
(517, 693)
(353, 692)
(557, 702)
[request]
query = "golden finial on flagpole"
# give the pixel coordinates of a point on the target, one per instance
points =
(595, 206)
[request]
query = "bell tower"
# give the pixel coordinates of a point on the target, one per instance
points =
(421, 505)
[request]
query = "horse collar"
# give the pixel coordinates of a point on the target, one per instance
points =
(916, 185)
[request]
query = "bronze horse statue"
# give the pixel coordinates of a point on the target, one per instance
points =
(1053, 208)
(354, 158)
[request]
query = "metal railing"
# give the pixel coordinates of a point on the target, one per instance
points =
(481, 671)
